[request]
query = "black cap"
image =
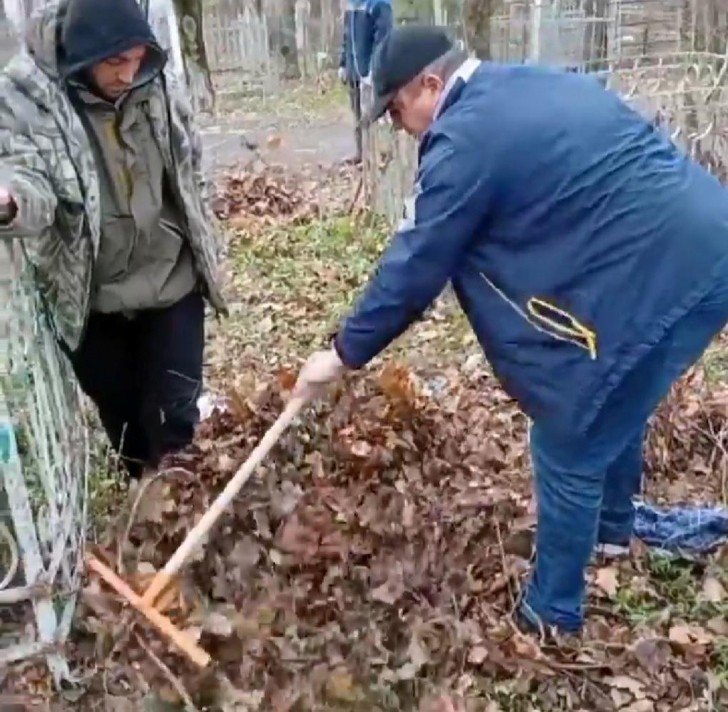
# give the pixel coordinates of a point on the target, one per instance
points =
(400, 57)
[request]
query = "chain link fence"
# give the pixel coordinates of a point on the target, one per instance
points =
(44, 464)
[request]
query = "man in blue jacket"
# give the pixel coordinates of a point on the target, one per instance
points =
(366, 24)
(589, 254)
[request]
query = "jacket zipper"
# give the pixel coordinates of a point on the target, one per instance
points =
(574, 333)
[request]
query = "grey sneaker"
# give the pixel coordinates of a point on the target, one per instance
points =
(521, 543)
(610, 552)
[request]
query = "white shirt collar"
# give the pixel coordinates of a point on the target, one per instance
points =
(464, 72)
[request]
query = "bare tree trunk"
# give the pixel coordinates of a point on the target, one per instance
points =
(289, 50)
(197, 68)
(716, 26)
(477, 16)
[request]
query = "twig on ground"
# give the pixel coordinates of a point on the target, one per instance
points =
(357, 193)
(171, 678)
(143, 487)
(501, 550)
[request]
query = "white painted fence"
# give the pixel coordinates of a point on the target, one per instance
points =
(237, 41)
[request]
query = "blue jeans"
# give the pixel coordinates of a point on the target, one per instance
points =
(585, 485)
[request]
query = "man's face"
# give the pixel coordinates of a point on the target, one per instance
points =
(413, 107)
(115, 76)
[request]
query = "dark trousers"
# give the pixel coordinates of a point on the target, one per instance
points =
(355, 101)
(145, 375)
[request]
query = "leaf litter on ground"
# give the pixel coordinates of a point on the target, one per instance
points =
(364, 565)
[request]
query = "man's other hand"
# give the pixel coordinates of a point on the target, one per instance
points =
(8, 208)
(321, 369)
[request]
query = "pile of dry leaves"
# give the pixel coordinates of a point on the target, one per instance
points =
(259, 194)
(688, 442)
(365, 568)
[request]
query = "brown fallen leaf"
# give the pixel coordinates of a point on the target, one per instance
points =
(680, 634)
(340, 687)
(625, 682)
(643, 705)
(361, 448)
(607, 580)
(392, 589)
(477, 655)
(218, 624)
(274, 141)
(713, 590)
(443, 703)
(298, 539)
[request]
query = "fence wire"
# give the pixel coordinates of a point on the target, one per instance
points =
(44, 466)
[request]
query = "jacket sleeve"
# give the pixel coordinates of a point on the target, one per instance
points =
(383, 18)
(23, 172)
(450, 207)
(184, 109)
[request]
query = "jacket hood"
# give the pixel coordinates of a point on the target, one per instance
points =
(94, 30)
(42, 35)
(65, 37)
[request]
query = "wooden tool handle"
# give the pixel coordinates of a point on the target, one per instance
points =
(183, 641)
(193, 539)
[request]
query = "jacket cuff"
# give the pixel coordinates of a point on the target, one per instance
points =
(349, 363)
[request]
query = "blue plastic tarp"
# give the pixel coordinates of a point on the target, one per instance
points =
(691, 530)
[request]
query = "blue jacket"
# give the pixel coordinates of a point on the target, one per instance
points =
(366, 23)
(574, 233)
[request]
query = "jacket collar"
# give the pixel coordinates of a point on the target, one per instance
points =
(455, 84)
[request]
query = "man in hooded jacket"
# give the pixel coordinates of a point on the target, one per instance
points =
(103, 183)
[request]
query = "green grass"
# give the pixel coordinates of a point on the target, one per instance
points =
(674, 589)
(295, 284)
(297, 101)
(716, 363)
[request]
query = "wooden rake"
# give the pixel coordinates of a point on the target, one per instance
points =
(145, 603)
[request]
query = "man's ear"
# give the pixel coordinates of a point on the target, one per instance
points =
(432, 82)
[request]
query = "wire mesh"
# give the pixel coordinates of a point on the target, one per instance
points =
(44, 465)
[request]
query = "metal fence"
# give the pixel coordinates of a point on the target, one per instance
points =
(267, 43)
(44, 464)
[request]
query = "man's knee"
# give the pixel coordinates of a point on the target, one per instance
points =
(170, 413)
(566, 473)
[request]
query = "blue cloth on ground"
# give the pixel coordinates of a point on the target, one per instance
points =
(696, 530)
